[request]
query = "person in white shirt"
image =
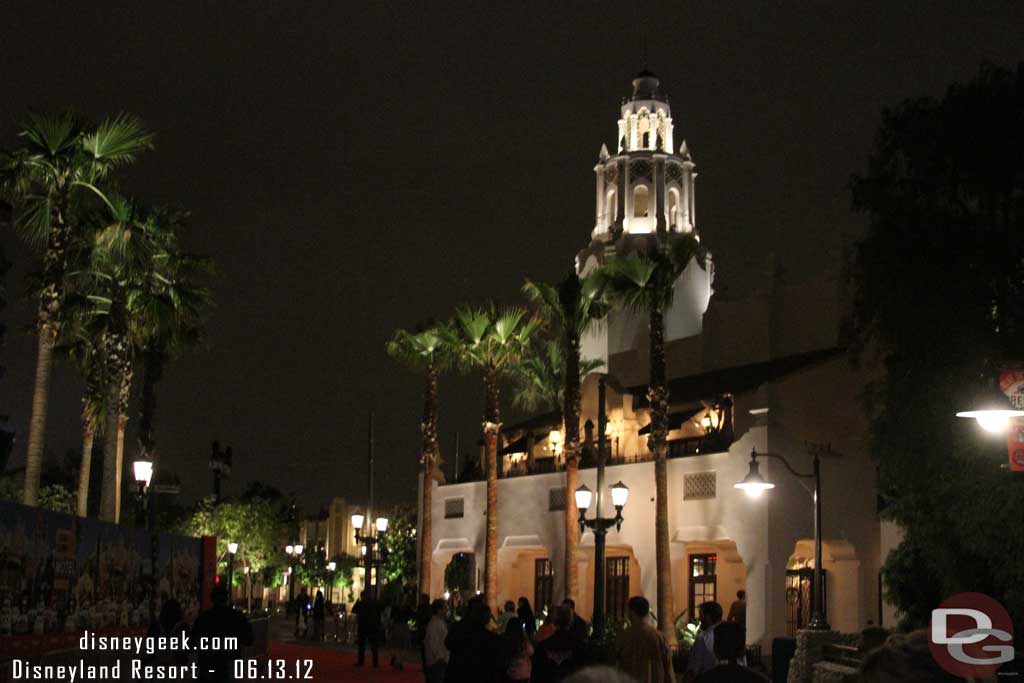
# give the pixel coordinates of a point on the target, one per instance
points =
(435, 654)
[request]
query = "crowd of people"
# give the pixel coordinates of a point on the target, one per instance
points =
(510, 648)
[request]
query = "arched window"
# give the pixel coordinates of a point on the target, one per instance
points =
(611, 206)
(673, 208)
(641, 203)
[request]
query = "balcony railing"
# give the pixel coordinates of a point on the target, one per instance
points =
(677, 448)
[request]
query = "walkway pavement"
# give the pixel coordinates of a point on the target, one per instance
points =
(334, 661)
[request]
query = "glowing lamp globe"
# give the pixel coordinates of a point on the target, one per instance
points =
(620, 492)
(992, 410)
(288, 549)
(382, 524)
(143, 471)
(583, 496)
(232, 548)
(754, 485)
(331, 566)
(298, 549)
(357, 521)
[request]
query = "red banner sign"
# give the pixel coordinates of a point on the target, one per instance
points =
(1011, 381)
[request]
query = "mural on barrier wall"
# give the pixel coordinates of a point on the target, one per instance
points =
(61, 574)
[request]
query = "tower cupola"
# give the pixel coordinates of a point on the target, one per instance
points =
(646, 186)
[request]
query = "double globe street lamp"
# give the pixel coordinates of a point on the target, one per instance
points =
(754, 485)
(369, 541)
(292, 551)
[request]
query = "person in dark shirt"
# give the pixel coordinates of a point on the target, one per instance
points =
(319, 614)
(302, 614)
(560, 654)
(730, 645)
(367, 612)
(525, 614)
(221, 621)
(475, 653)
(580, 629)
(423, 616)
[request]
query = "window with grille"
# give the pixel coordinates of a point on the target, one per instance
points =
(699, 486)
(454, 508)
(543, 584)
(556, 498)
(616, 587)
(703, 580)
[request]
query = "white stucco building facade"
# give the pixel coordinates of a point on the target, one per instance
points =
(762, 372)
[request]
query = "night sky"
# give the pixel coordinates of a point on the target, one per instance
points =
(355, 167)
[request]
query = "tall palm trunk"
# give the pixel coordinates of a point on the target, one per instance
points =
(117, 356)
(110, 497)
(657, 394)
(571, 410)
(85, 469)
(492, 424)
(430, 457)
(37, 425)
(50, 301)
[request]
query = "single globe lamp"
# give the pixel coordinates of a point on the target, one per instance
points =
(232, 547)
(992, 410)
(143, 471)
(754, 485)
(620, 492)
(583, 496)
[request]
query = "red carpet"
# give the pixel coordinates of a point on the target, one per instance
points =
(335, 665)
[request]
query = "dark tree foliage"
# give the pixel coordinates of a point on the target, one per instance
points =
(4, 267)
(939, 282)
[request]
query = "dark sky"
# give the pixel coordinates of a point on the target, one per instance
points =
(354, 167)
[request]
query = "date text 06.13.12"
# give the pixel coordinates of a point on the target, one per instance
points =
(275, 669)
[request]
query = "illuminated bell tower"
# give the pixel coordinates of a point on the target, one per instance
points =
(645, 193)
(645, 187)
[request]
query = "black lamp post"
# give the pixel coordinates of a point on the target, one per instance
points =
(599, 524)
(371, 556)
(142, 469)
(754, 484)
(290, 551)
(232, 549)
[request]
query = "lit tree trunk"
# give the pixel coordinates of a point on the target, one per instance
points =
(50, 302)
(429, 458)
(571, 410)
(492, 424)
(109, 495)
(117, 356)
(37, 425)
(657, 395)
(85, 469)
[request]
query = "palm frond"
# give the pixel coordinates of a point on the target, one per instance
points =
(118, 140)
(52, 134)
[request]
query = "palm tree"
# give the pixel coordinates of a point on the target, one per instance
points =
(492, 341)
(167, 314)
(427, 350)
(572, 305)
(76, 343)
(49, 179)
(643, 282)
(127, 250)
